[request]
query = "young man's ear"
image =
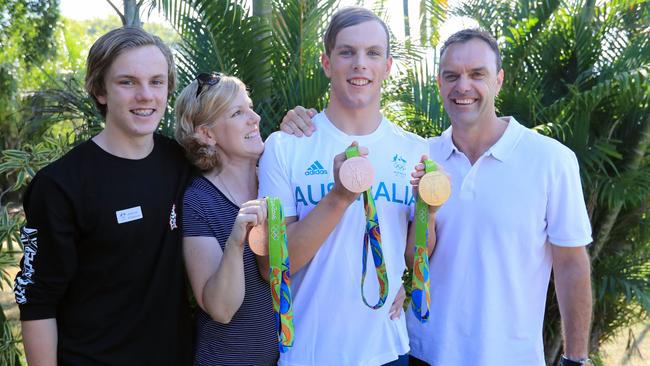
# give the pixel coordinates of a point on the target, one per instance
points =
(101, 99)
(389, 65)
(325, 62)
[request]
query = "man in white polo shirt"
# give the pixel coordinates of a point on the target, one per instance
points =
(326, 222)
(516, 211)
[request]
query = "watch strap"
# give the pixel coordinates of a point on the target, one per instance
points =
(565, 361)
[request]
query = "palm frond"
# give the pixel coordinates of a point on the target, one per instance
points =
(414, 103)
(432, 14)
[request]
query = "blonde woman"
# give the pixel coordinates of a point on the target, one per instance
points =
(220, 133)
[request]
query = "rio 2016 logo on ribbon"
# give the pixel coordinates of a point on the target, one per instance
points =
(279, 274)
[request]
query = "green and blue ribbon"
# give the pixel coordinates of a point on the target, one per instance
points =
(420, 279)
(279, 275)
(371, 238)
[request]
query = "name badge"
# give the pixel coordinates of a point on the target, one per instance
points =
(129, 214)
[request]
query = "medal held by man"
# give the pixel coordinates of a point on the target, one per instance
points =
(356, 172)
(434, 189)
(357, 175)
(434, 186)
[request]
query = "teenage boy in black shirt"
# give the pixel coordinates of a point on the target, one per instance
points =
(102, 278)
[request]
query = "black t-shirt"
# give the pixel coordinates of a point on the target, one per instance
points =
(103, 256)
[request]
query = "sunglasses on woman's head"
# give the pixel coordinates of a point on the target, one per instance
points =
(208, 79)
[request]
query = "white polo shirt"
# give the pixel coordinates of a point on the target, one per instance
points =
(490, 270)
(332, 324)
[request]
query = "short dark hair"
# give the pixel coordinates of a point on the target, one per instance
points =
(348, 17)
(468, 34)
(112, 44)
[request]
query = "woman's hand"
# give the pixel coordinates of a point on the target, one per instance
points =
(250, 214)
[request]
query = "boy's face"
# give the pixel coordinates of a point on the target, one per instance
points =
(136, 92)
(357, 65)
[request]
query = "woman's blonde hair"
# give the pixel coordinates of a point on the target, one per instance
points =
(194, 111)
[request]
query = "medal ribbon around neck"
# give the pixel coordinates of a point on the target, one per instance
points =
(420, 277)
(279, 276)
(372, 237)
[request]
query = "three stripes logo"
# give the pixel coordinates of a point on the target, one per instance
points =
(315, 169)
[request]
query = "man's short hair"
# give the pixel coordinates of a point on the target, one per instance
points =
(348, 17)
(468, 34)
(112, 44)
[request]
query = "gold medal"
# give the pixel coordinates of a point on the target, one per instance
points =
(357, 174)
(434, 188)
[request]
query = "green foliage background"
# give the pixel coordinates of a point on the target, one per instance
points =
(575, 70)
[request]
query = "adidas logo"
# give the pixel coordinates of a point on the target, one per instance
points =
(315, 169)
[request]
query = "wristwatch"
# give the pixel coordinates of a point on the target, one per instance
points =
(564, 361)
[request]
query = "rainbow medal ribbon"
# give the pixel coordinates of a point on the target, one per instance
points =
(372, 237)
(279, 276)
(420, 277)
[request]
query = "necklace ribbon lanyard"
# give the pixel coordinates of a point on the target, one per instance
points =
(420, 278)
(279, 276)
(372, 237)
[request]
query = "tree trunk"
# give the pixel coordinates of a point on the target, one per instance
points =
(264, 10)
(633, 164)
(132, 13)
(407, 25)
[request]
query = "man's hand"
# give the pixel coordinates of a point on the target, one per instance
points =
(398, 304)
(417, 173)
(298, 121)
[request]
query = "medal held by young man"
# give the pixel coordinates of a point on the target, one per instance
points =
(357, 175)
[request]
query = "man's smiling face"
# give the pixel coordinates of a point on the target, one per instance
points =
(469, 82)
(357, 65)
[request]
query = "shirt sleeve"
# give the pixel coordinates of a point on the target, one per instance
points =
(195, 222)
(274, 174)
(49, 242)
(567, 219)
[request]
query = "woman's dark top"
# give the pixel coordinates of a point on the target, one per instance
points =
(250, 338)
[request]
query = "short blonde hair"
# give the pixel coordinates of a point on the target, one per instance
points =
(193, 112)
